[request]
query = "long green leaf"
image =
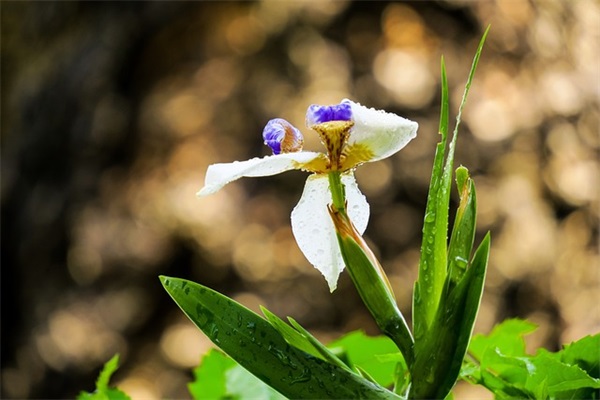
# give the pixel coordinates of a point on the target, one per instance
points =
(464, 300)
(258, 347)
(425, 300)
(291, 335)
(300, 338)
(324, 352)
(437, 364)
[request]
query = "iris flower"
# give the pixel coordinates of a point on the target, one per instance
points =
(352, 135)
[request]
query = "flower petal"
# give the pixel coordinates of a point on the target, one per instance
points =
(218, 175)
(358, 208)
(314, 230)
(317, 114)
(377, 134)
(282, 137)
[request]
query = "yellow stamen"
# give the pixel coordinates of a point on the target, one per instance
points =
(334, 135)
(354, 155)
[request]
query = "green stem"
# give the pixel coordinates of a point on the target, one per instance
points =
(371, 282)
(338, 193)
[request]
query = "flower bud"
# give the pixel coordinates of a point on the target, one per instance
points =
(282, 137)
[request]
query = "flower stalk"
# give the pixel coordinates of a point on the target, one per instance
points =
(372, 283)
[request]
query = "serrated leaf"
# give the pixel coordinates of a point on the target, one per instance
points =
(363, 351)
(242, 385)
(209, 377)
(254, 344)
(103, 392)
(541, 375)
(219, 377)
(584, 353)
(506, 336)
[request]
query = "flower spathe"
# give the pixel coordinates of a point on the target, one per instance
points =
(352, 135)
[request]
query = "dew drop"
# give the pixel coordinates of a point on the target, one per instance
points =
(429, 217)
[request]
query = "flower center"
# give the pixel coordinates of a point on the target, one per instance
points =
(334, 136)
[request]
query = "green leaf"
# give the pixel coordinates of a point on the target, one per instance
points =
(463, 232)
(321, 348)
(433, 265)
(507, 337)
(103, 392)
(364, 351)
(291, 335)
(300, 338)
(242, 385)
(562, 380)
(541, 376)
(584, 353)
(258, 347)
(209, 377)
(445, 103)
(219, 377)
(425, 298)
(506, 369)
(439, 359)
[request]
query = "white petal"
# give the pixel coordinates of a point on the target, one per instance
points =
(314, 230)
(218, 175)
(358, 208)
(382, 133)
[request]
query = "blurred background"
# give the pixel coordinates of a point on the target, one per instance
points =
(111, 113)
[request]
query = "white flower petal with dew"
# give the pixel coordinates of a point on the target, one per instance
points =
(313, 228)
(382, 133)
(219, 175)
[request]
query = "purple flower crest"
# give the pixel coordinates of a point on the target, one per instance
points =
(317, 114)
(281, 136)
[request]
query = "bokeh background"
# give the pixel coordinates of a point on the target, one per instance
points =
(111, 113)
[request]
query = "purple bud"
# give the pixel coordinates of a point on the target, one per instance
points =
(281, 136)
(318, 114)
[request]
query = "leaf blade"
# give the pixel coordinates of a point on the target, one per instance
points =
(259, 348)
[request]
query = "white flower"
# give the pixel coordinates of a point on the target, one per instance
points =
(352, 134)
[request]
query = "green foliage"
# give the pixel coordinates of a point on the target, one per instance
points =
(500, 363)
(371, 354)
(219, 377)
(300, 338)
(103, 392)
(258, 347)
(448, 290)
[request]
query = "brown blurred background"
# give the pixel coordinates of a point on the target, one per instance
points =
(111, 113)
